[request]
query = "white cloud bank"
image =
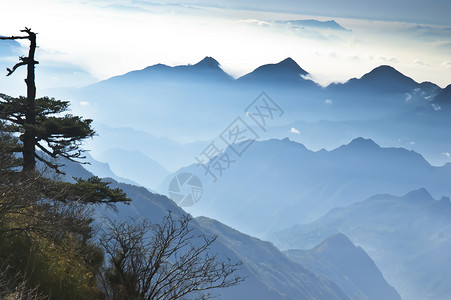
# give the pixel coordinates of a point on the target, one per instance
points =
(107, 39)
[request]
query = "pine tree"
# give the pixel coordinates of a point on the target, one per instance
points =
(8, 144)
(39, 122)
(41, 125)
(46, 226)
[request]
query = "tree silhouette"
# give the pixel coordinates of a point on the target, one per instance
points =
(40, 124)
(163, 261)
(39, 121)
(46, 226)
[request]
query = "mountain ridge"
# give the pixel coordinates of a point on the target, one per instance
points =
(408, 237)
(208, 69)
(444, 97)
(308, 183)
(273, 267)
(329, 24)
(292, 279)
(287, 69)
(338, 259)
(383, 78)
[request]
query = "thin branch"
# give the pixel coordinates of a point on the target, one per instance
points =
(164, 261)
(50, 165)
(14, 37)
(10, 71)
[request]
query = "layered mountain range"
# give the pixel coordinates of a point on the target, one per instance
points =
(197, 102)
(269, 273)
(407, 236)
(305, 193)
(279, 183)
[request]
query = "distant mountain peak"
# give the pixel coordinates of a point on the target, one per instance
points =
(383, 70)
(420, 195)
(330, 24)
(383, 79)
(289, 64)
(444, 97)
(336, 241)
(349, 266)
(283, 143)
(387, 72)
(286, 70)
(207, 62)
(361, 142)
(159, 66)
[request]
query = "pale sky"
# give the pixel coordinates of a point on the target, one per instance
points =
(85, 41)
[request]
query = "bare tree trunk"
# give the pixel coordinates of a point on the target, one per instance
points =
(29, 136)
(29, 162)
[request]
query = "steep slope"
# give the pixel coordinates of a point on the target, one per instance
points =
(408, 237)
(338, 259)
(269, 273)
(278, 183)
(283, 279)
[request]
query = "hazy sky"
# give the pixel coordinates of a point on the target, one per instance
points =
(84, 41)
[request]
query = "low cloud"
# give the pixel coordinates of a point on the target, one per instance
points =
(391, 59)
(436, 107)
(255, 22)
(408, 97)
(307, 77)
(294, 130)
(421, 63)
(328, 102)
